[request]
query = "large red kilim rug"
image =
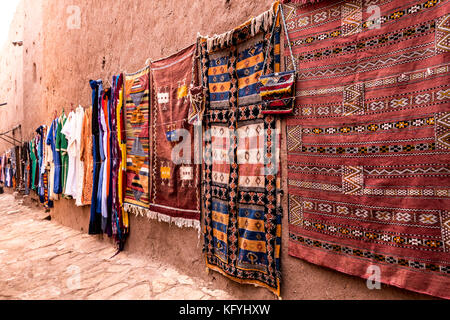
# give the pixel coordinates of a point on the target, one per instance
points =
(368, 144)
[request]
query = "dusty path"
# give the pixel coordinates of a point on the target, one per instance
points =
(40, 259)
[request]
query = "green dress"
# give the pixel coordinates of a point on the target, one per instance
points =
(61, 147)
(33, 166)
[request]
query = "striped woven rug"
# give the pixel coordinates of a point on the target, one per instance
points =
(368, 145)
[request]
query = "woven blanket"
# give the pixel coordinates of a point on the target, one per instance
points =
(137, 93)
(368, 146)
(242, 215)
(175, 178)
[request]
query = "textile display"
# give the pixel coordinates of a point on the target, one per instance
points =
(61, 147)
(137, 106)
(174, 178)
(119, 217)
(368, 144)
(122, 173)
(51, 141)
(86, 157)
(95, 216)
(242, 209)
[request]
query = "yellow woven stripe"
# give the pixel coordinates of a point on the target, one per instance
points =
(248, 81)
(250, 62)
(220, 217)
(217, 71)
(220, 235)
(251, 224)
(279, 91)
(219, 87)
(252, 245)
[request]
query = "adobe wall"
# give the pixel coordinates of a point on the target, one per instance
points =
(119, 36)
(11, 80)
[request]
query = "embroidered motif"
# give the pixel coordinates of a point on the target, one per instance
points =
(443, 34)
(445, 228)
(294, 138)
(165, 173)
(351, 12)
(372, 127)
(353, 99)
(369, 255)
(443, 130)
(352, 180)
(295, 211)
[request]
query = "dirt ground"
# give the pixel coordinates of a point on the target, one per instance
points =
(40, 259)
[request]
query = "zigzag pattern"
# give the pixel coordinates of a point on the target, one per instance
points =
(295, 210)
(443, 34)
(294, 138)
(351, 15)
(446, 230)
(353, 99)
(383, 172)
(443, 130)
(360, 67)
(315, 169)
(352, 180)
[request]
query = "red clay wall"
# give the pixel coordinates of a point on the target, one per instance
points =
(11, 80)
(119, 36)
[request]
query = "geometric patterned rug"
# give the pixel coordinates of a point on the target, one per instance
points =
(369, 140)
(242, 210)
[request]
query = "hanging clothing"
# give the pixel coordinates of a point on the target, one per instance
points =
(79, 117)
(61, 147)
(33, 164)
(50, 146)
(95, 217)
(40, 160)
(119, 226)
(51, 141)
(68, 131)
(103, 186)
(122, 138)
(86, 157)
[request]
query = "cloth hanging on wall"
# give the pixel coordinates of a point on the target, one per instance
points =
(86, 150)
(51, 141)
(61, 147)
(122, 136)
(119, 218)
(368, 146)
(95, 216)
(174, 179)
(68, 130)
(242, 208)
(137, 97)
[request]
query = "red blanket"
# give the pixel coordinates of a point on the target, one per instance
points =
(175, 178)
(368, 146)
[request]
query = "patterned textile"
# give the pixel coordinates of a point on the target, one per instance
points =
(61, 147)
(119, 221)
(242, 210)
(137, 122)
(175, 179)
(301, 1)
(368, 147)
(122, 175)
(277, 92)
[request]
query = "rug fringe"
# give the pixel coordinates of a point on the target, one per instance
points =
(263, 22)
(179, 222)
(137, 211)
